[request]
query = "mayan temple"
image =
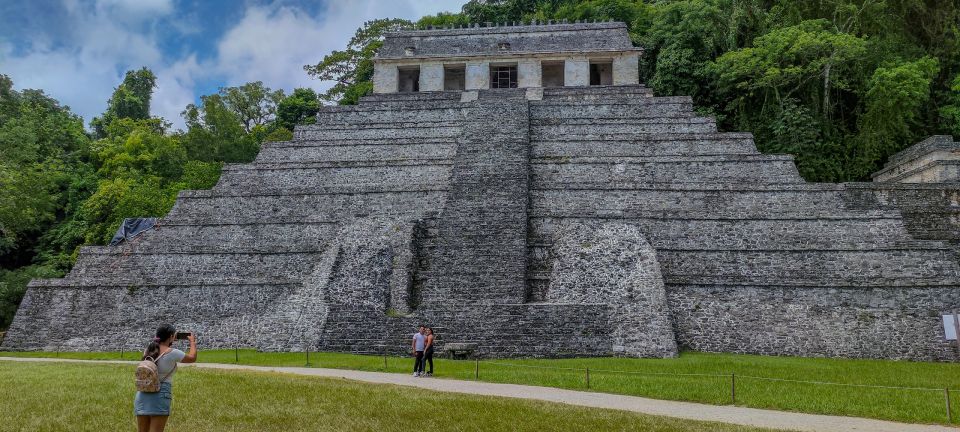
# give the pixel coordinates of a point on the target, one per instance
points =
(516, 187)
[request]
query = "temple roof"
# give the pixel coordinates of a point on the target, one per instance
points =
(507, 40)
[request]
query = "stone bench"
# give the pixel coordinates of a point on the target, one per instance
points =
(459, 350)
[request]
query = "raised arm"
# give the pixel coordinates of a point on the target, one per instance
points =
(191, 356)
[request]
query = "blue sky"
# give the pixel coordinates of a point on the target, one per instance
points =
(78, 50)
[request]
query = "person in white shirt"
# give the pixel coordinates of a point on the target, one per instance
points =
(418, 345)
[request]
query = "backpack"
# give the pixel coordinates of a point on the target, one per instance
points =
(148, 375)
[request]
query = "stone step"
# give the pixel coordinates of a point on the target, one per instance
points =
(385, 151)
(411, 97)
(84, 282)
(609, 201)
(110, 263)
(909, 267)
(307, 177)
(262, 237)
(858, 232)
(335, 204)
(107, 315)
(634, 108)
(620, 129)
(649, 145)
(432, 133)
(597, 91)
(449, 115)
(555, 172)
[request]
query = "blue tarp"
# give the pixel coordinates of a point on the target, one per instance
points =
(131, 227)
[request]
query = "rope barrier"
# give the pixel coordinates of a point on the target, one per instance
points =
(614, 371)
(840, 384)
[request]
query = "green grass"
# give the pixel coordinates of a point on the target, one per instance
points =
(914, 406)
(77, 397)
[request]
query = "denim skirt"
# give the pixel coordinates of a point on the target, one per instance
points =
(154, 404)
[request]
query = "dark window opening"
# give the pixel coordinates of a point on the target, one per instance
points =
(409, 80)
(503, 77)
(551, 74)
(454, 77)
(601, 74)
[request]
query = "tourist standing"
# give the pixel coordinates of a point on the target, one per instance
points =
(153, 409)
(428, 351)
(419, 343)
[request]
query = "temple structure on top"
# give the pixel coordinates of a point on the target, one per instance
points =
(506, 56)
(933, 160)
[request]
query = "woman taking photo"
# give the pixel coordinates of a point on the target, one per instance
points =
(153, 409)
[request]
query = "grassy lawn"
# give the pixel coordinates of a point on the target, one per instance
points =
(914, 406)
(76, 397)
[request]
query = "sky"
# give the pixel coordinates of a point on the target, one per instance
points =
(77, 51)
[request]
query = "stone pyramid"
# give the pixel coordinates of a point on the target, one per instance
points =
(573, 221)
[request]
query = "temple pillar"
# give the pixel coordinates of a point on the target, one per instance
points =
(478, 75)
(385, 78)
(626, 69)
(576, 72)
(528, 74)
(431, 77)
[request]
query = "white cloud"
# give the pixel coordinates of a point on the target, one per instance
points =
(270, 43)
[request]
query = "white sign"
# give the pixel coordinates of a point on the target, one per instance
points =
(949, 327)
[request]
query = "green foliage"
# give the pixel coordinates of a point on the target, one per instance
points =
(216, 133)
(119, 198)
(252, 103)
(130, 100)
(351, 70)
(895, 95)
(139, 152)
(301, 107)
(13, 284)
(809, 60)
(950, 114)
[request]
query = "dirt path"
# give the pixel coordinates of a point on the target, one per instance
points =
(685, 410)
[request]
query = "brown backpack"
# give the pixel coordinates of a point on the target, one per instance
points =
(148, 374)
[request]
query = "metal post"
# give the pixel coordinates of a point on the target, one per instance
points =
(236, 353)
(308, 357)
(121, 352)
(384, 362)
(588, 377)
(477, 370)
(946, 396)
(733, 388)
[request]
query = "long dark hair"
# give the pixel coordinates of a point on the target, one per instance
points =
(153, 349)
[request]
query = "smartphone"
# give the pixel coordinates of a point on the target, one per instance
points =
(183, 335)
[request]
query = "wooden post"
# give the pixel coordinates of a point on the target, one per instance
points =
(236, 353)
(588, 377)
(308, 357)
(121, 352)
(477, 370)
(733, 389)
(946, 397)
(384, 362)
